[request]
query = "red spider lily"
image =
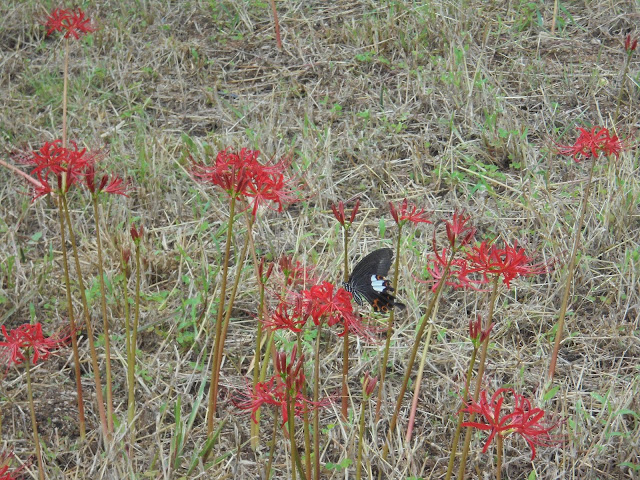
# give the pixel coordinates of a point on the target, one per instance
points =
(27, 336)
(476, 334)
(72, 22)
(66, 164)
(115, 186)
(242, 175)
(287, 317)
(264, 276)
(5, 474)
(368, 384)
(289, 381)
(321, 301)
(338, 212)
(295, 273)
(459, 232)
(270, 185)
(404, 213)
(458, 275)
(630, 44)
(523, 420)
(590, 143)
(508, 262)
(136, 233)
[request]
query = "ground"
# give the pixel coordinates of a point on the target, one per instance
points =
(451, 104)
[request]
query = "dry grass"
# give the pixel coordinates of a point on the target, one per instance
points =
(451, 104)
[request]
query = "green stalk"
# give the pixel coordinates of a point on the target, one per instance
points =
(105, 320)
(500, 444)
(72, 323)
(465, 397)
(130, 356)
(416, 390)
(316, 414)
(478, 386)
(34, 423)
(213, 386)
(131, 366)
(232, 297)
(361, 438)
(414, 351)
(387, 345)
(345, 339)
(305, 425)
(87, 321)
(570, 271)
(272, 444)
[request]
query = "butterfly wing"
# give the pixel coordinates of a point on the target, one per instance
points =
(368, 282)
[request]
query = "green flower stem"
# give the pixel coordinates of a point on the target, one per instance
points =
(500, 444)
(465, 397)
(105, 320)
(213, 386)
(234, 290)
(133, 345)
(416, 390)
(34, 423)
(272, 443)
(131, 410)
(316, 413)
(72, 323)
(387, 345)
(570, 271)
(87, 321)
(305, 423)
(478, 386)
(345, 338)
(365, 399)
(412, 358)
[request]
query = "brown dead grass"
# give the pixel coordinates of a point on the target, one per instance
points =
(451, 104)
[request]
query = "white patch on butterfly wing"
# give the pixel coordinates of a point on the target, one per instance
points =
(378, 285)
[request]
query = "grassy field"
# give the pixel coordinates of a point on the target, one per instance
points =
(454, 105)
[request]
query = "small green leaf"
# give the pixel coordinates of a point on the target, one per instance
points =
(550, 394)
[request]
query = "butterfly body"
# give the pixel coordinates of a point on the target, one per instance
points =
(367, 281)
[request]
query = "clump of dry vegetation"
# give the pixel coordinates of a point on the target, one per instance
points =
(468, 106)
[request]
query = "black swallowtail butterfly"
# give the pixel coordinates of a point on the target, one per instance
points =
(368, 282)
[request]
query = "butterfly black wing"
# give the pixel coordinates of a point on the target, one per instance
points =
(368, 282)
(377, 262)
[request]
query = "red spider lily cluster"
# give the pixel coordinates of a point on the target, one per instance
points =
(338, 212)
(287, 317)
(590, 143)
(69, 166)
(324, 301)
(73, 23)
(630, 44)
(522, 419)
(19, 340)
(5, 474)
(241, 175)
(287, 385)
(508, 262)
(473, 266)
(406, 212)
